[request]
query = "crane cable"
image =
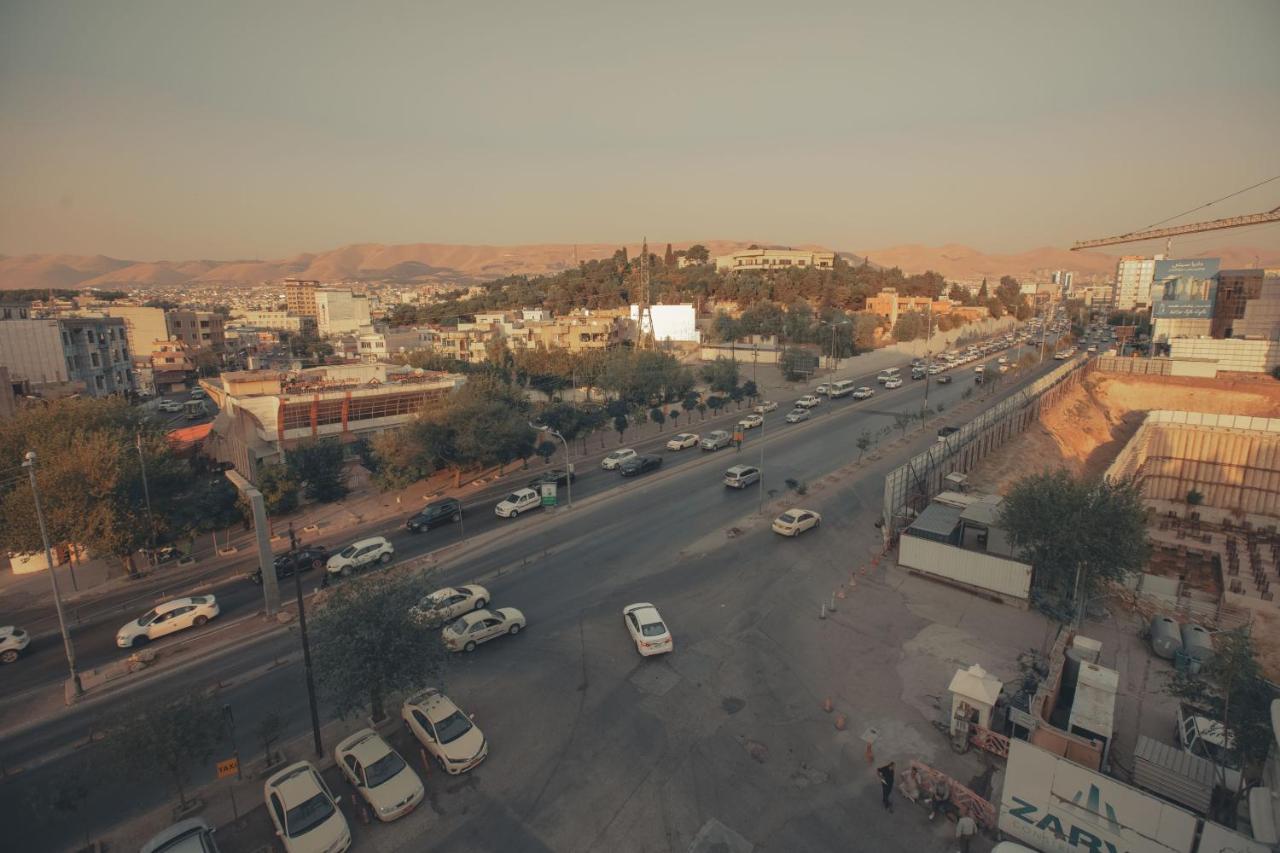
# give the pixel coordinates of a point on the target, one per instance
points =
(1209, 204)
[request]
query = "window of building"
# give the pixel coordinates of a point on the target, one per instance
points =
(71, 365)
(66, 339)
(94, 360)
(97, 380)
(88, 333)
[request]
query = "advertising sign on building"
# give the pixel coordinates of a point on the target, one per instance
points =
(1184, 289)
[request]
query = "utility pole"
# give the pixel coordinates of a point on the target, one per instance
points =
(77, 690)
(306, 646)
(762, 466)
(146, 494)
(928, 350)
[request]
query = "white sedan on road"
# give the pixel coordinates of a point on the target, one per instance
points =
(616, 458)
(683, 440)
(480, 626)
(13, 641)
(517, 502)
(751, 421)
(166, 618)
(379, 775)
(765, 407)
(305, 811)
(647, 629)
(808, 401)
(890, 384)
(445, 605)
(793, 522)
(795, 416)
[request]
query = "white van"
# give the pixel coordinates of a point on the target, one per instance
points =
(890, 373)
(841, 388)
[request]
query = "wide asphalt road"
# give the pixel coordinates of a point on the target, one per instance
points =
(643, 539)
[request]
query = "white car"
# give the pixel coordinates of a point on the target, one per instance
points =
(808, 401)
(13, 641)
(793, 522)
(361, 553)
(305, 812)
(379, 774)
(170, 406)
(981, 368)
(765, 407)
(444, 731)
(517, 502)
(616, 458)
(935, 369)
(1004, 359)
(480, 626)
(795, 416)
(890, 384)
(864, 393)
(647, 629)
(683, 440)
(751, 421)
(166, 618)
(198, 394)
(193, 835)
(822, 389)
(445, 605)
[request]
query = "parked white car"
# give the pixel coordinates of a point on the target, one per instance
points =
(616, 458)
(170, 406)
(480, 626)
(517, 502)
(193, 835)
(166, 618)
(449, 735)
(13, 641)
(305, 812)
(647, 630)
(751, 421)
(379, 775)
(864, 393)
(445, 605)
(808, 401)
(765, 407)
(360, 554)
(683, 440)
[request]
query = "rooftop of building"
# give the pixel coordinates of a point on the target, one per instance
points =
(325, 378)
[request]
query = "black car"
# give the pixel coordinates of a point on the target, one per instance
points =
(639, 464)
(435, 514)
(559, 476)
(306, 558)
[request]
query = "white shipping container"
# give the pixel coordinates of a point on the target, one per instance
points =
(972, 568)
(1057, 806)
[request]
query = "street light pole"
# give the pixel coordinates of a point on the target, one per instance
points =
(568, 466)
(146, 494)
(928, 351)
(306, 646)
(29, 462)
(762, 466)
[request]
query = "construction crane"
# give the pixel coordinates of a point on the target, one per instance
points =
(1168, 234)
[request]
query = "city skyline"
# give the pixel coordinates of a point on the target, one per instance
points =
(155, 131)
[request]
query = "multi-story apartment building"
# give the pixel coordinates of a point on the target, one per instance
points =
(340, 312)
(300, 296)
(280, 321)
(1134, 274)
(890, 304)
(197, 329)
(263, 413)
(143, 325)
(773, 259)
(172, 368)
(85, 354)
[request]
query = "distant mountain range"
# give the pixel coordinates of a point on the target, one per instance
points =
(438, 262)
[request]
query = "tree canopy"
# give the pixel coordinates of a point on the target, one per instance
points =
(366, 645)
(166, 735)
(1068, 526)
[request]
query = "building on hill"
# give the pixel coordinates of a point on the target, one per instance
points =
(756, 260)
(890, 304)
(263, 413)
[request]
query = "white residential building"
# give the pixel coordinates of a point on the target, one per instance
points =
(1134, 274)
(774, 259)
(340, 312)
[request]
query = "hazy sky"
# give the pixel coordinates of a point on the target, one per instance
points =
(177, 129)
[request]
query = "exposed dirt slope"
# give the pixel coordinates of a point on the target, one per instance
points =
(1092, 422)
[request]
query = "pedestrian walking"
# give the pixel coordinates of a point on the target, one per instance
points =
(886, 785)
(966, 829)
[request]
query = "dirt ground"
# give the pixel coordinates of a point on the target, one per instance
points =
(1091, 423)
